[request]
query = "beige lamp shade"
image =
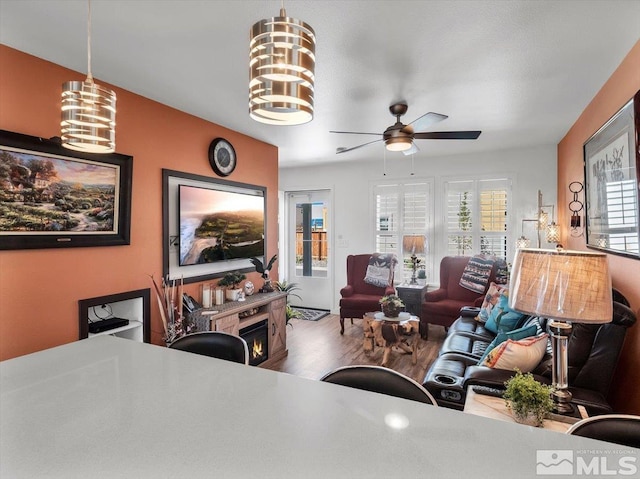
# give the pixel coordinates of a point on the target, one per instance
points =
(564, 285)
(413, 244)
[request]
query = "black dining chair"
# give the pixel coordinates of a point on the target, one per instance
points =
(620, 429)
(216, 344)
(381, 380)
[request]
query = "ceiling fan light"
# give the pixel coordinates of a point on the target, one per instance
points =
(398, 144)
(281, 68)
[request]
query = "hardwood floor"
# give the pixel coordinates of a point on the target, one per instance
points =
(316, 347)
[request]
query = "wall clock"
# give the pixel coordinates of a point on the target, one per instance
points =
(222, 157)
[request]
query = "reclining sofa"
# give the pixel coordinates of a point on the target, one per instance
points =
(593, 352)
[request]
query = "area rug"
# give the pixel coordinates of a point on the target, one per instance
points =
(311, 314)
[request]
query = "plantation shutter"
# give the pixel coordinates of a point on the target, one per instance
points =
(477, 213)
(402, 209)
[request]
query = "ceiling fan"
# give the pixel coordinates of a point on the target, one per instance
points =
(399, 137)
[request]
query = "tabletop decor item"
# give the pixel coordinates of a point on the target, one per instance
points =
(528, 400)
(391, 305)
(264, 270)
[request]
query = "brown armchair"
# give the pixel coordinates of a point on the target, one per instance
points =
(359, 297)
(442, 306)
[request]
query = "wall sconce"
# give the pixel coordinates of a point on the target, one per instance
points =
(576, 206)
(552, 230)
(523, 241)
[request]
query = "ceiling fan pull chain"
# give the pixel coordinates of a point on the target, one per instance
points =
(413, 168)
(384, 162)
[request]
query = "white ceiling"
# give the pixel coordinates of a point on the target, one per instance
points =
(520, 71)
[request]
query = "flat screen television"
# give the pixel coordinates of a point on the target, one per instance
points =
(220, 224)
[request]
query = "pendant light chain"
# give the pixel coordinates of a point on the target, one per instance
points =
(89, 75)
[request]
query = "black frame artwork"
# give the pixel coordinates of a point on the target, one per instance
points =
(612, 186)
(191, 273)
(53, 197)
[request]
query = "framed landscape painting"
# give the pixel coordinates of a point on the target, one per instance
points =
(52, 197)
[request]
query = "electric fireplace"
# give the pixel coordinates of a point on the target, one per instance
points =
(257, 342)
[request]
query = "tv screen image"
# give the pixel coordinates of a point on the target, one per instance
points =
(219, 225)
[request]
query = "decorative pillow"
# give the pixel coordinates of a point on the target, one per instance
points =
(516, 334)
(380, 269)
(502, 271)
(490, 300)
(503, 318)
(524, 354)
(476, 274)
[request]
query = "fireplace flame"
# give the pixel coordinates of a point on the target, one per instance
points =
(256, 349)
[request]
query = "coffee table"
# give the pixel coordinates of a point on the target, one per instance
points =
(387, 333)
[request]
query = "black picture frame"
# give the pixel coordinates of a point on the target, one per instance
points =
(612, 185)
(60, 206)
(172, 269)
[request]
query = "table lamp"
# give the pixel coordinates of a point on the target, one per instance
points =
(413, 244)
(565, 287)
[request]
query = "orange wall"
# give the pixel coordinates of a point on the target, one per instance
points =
(40, 289)
(621, 87)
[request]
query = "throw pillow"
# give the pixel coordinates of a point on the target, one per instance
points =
(524, 354)
(477, 273)
(380, 269)
(490, 300)
(516, 334)
(503, 318)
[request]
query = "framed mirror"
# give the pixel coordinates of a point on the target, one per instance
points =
(611, 166)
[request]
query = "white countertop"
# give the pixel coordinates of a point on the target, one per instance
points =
(111, 407)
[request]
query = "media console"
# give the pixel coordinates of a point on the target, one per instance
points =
(235, 316)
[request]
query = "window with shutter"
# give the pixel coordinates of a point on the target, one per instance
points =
(476, 216)
(403, 210)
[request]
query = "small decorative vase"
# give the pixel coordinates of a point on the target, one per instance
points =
(390, 310)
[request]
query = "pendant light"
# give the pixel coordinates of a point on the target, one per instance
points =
(281, 67)
(88, 112)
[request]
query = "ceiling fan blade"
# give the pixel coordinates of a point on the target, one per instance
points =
(355, 133)
(414, 149)
(344, 150)
(426, 120)
(447, 135)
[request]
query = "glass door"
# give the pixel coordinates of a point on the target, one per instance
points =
(308, 249)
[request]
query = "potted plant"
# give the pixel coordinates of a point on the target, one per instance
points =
(528, 400)
(422, 276)
(288, 288)
(264, 271)
(231, 281)
(391, 305)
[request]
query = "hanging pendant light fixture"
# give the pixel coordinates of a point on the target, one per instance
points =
(281, 67)
(88, 112)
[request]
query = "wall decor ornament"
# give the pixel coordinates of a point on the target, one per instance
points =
(53, 197)
(611, 166)
(222, 157)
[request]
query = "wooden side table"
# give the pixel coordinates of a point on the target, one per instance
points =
(495, 408)
(412, 295)
(387, 334)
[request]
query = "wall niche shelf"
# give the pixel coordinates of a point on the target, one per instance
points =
(131, 305)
